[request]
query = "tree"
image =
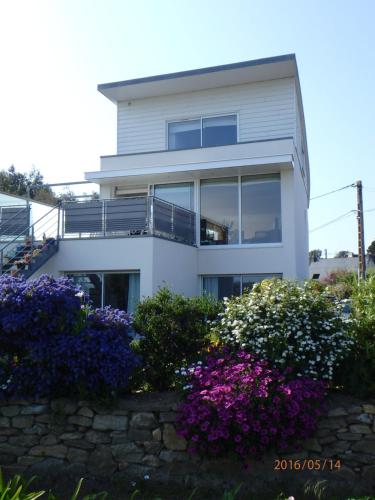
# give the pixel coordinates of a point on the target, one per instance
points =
(32, 183)
(315, 255)
(21, 184)
(343, 254)
(371, 251)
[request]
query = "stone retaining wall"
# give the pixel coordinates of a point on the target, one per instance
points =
(137, 439)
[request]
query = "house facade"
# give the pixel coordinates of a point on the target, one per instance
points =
(208, 191)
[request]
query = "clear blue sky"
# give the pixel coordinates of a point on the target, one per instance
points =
(53, 53)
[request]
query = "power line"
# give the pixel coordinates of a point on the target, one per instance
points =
(334, 191)
(343, 216)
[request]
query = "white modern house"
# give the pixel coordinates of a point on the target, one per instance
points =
(208, 191)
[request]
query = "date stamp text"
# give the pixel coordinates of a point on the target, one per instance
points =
(307, 464)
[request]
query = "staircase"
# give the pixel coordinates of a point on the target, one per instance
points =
(33, 247)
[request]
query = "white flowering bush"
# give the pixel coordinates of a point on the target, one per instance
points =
(290, 324)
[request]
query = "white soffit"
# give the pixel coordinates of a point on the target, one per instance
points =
(206, 78)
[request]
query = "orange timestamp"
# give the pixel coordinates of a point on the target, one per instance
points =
(316, 464)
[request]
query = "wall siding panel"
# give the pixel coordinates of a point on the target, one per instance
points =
(266, 110)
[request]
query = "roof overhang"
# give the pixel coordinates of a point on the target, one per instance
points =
(190, 172)
(270, 68)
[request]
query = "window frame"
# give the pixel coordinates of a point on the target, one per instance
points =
(240, 245)
(241, 276)
(102, 274)
(173, 182)
(201, 118)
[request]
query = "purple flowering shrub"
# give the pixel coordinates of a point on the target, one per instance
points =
(36, 309)
(52, 347)
(238, 404)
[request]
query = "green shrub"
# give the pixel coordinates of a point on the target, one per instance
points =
(357, 374)
(291, 325)
(341, 283)
(173, 330)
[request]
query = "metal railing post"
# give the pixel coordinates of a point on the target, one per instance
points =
(172, 221)
(58, 222)
(2, 261)
(104, 215)
(150, 215)
(62, 220)
(195, 225)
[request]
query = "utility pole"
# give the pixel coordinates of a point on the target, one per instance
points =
(361, 237)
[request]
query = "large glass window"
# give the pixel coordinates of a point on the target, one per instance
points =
(219, 211)
(119, 290)
(91, 284)
(261, 209)
(181, 194)
(219, 130)
(204, 132)
(184, 135)
(227, 286)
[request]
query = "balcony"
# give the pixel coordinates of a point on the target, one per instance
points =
(128, 217)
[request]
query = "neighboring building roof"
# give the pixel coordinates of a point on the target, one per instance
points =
(7, 199)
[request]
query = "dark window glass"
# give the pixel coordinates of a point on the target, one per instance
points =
(219, 211)
(181, 194)
(91, 284)
(227, 286)
(222, 286)
(121, 291)
(261, 209)
(249, 280)
(184, 135)
(219, 130)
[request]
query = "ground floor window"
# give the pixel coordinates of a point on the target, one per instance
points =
(119, 290)
(228, 285)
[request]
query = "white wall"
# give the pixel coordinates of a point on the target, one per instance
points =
(325, 266)
(266, 110)
(175, 266)
(302, 225)
(299, 144)
(159, 262)
(110, 254)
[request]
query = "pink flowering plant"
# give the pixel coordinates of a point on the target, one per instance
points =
(237, 404)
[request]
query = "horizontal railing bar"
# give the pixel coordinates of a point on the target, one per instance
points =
(134, 214)
(29, 227)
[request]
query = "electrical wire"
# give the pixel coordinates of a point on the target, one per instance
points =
(343, 216)
(334, 191)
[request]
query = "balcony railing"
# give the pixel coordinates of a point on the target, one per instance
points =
(125, 217)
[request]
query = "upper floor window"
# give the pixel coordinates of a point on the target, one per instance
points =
(203, 132)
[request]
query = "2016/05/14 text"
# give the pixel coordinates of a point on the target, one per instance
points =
(307, 464)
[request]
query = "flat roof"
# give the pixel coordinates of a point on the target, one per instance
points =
(269, 68)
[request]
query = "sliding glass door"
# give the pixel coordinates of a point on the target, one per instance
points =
(119, 290)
